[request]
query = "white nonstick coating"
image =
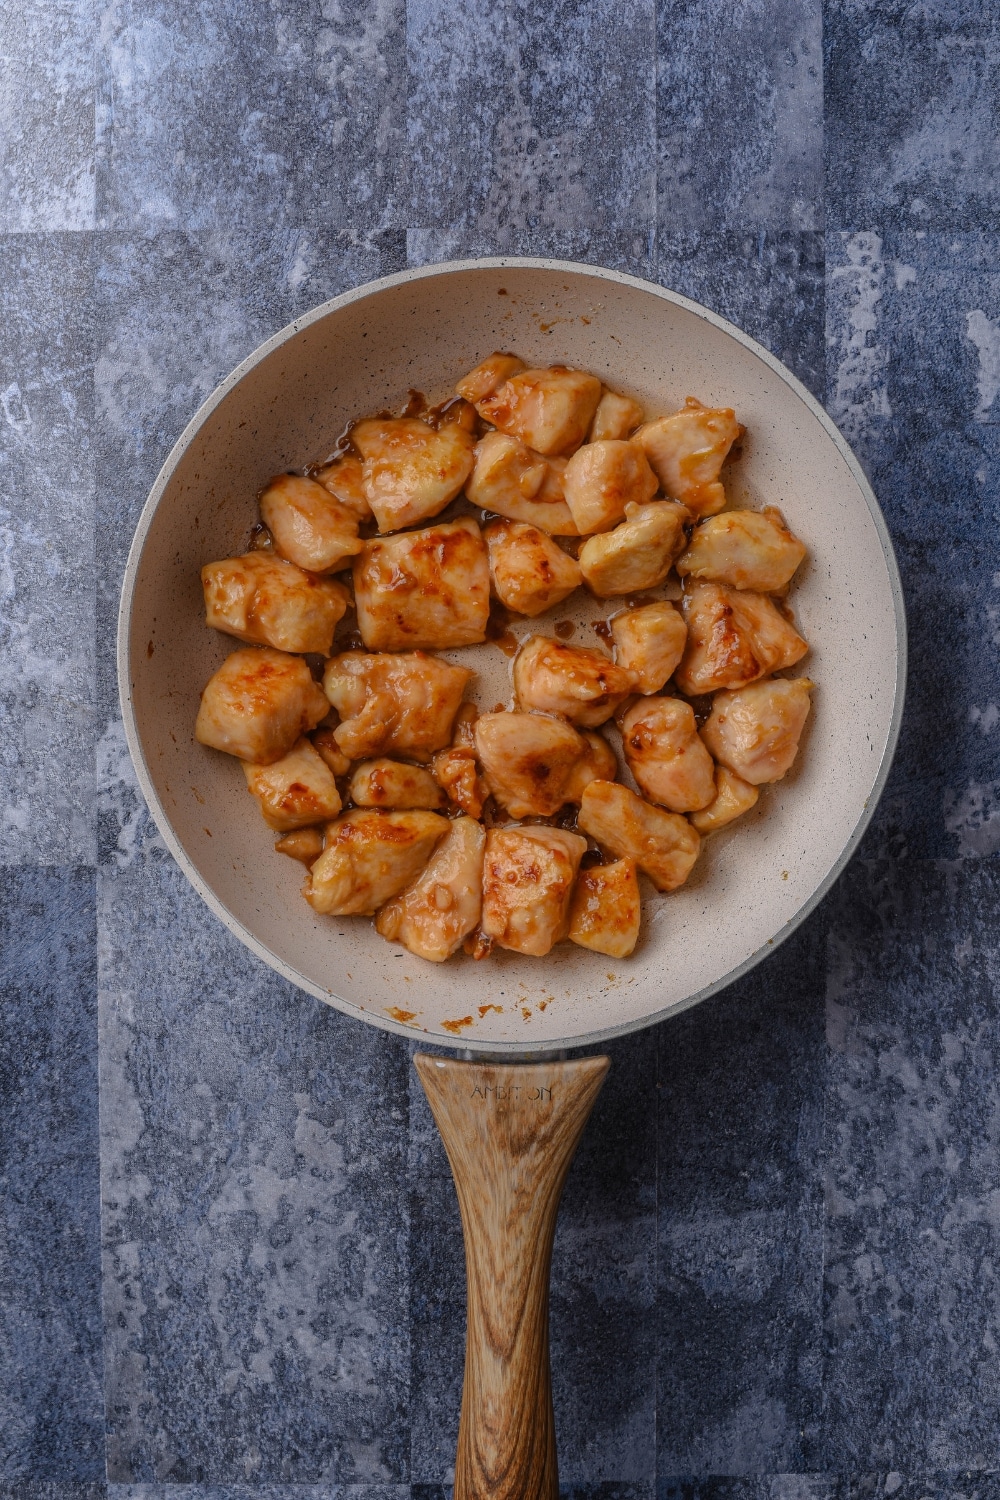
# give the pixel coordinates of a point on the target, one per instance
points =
(422, 329)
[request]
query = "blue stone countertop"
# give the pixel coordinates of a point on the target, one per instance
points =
(229, 1255)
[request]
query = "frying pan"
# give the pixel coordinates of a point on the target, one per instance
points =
(510, 1129)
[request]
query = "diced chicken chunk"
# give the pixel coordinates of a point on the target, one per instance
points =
(303, 844)
(663, 844)
(649, 643)
(390, 783)
(488, 377)
(370, 857)
(581, 684)
(425, 589)
(456, 770)
(733, 797)
(404, 704)
(605, 911)
(602, 478)
(528, 876)
(734, 636)
(530, 571)
(345, 479)
(458, 413)
(550, 410)
(665, 755)
(512, 481)
(616, 417)
(296, 790)
(410, 470)
(258, 704)
(638, 554)
(309, 525)
(687, 451)
(437, 912)
(597, 763)
(747, 549)
(755, 730)
(263, 599)
(326, 745)
(527, 760)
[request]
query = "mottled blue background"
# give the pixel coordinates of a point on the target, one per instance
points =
(229, 1261)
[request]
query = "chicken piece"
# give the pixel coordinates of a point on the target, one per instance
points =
(511, 481)
(663, 844)
(309, 525)
(404, 704)
(345, 479)
(426, 589)
(747, 549)
(687, 451)
(389, 783)
(262, 599)
(437, 912)
(733, 797)
(258, 704)
(602, 478)
(605, 911)
(488, 377)
(528, 876)
(616, 417)
(597, 763)
(583, 685)
(456, 770)
(410, 471)
(649, 643)
(527, 760)
(303, 844)
(530, 572)
(458, 413)
(665, 755)
(550, 410)
(296, 790)
(325, 742)
(755, 730)
(638, 554)
(734, 636)
(369, 857)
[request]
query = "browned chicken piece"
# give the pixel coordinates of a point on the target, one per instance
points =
(747, 549)
(456, 770)
(605, 911)
(458, 413)
(404, 703)
(303, 844)
(488, 377)
(597, 763)
(410, 470)
(369, 857)
(663, 844)
(530, 571)
(583, 685)
(258, 704)
(345, 479)
(426, 589)
(665, 755)
(733, 797)
(528, 876)
(616, 417)
(638, 554)
(755, 730)
(687, 451)
(512, 481)
(325, 742)
(550, 410)
(649, 643)
(734, 637)
(527, 760)
(602, 478)
(296, 790)
(437, 912)
(390, 783)
(262, 599)
(309, 525)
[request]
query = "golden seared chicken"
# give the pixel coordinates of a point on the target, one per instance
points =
(458, 413)
(605, 911)
(638, 554)
(512, 481)
(387, 703)
(747, 549)
(410, 470)
(309, 525)
(616, 417)
(528, 876)
(263, 599)
(734, 637)
(345, 479)
(733, 797)
(390, 783)
(303, 844)
(488, 377)
(326, 746)
(755, 730)
(550, 410)
(427, 589)
(530, 571)
(456, 770)
(527, 760)
(597, 763)
(649, 643)
(687, 451)
(296, 790)
(663, 844)
(602, 478)
(434, 915)
(665, 755)
(369, 857)
(581, 684)
(258, 704)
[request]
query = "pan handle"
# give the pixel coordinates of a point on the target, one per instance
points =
(510, 1131)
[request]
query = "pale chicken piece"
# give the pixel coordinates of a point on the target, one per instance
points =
(456, 770)
(527, 760)
(345, 479)
(665, 755)
(602, 478)
(747, 549)
(687, 450)
(528, 876)
(369, 857)
(512, 481)
(390, 783)
(437, 912)
(734, 636)
(663, 844)
(583, 685)
(755, 730)
(605, 912)
(638, 554)
(402, 703)
(530, 571)
(597, 763)
(262, 599)
(296, 790)
(733, 798)
(258, 704)
(649, 643)
(550, 410)
(310, 527)
(424, 589)
(326, 744)
(303, 844)
(410, 470)
(616, 417)
(488, 377)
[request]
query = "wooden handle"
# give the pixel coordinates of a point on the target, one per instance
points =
(510, 1132)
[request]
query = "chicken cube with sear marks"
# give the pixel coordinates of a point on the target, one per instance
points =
(663, 844)
(258, 704)
(369, 857)
(649, 643)
(411, 471)
(638, 554)
(264, 600)
(687, 450)
(734, 636)
(435, 914)
(605, 911)
(616, 417)
(755, 730)
(488, 376)
(425, 589)
(602, 478)
(746, 549)
(666, 757)
(528, 876)
(527, 760)
(403, 703)
(296, 790)
(390, 783)
(309, 525)
(531, 573)
(511, 480)
(583, 685)
(551, 410)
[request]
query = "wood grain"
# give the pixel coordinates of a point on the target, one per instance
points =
(510, 1131)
